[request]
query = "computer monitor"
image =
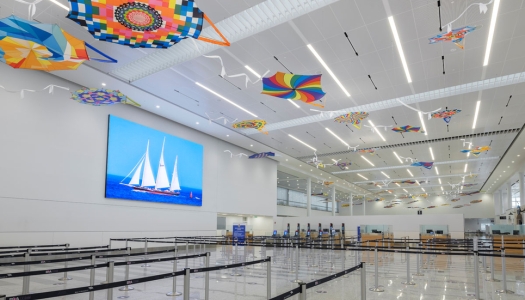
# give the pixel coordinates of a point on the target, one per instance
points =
(378, 231)
(275, 232)
(430, 231)
(515, 232)
(296, 233)
(374, 230)
(308, 233)
(439, 231)
(496, 231)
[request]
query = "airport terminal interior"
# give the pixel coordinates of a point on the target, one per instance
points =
(262, 149)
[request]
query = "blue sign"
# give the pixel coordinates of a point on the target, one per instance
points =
(358, 233)
(239, 232)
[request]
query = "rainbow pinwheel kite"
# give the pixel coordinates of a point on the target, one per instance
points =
(407, 128)
(477, 150)
(456, 36)
(353, 118)
(142, 23)
(255, 124)
(446, 115)
(306, 88)
(99, 97)
(261, 155)
(426, 165)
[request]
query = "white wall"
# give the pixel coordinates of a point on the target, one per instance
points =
(52, 174)
(283, 210)
(485, 209)
(257, 225)
(403, 225)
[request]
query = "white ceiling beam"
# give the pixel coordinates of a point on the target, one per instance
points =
(421, 178)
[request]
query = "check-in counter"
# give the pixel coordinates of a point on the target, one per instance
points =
(381, 233)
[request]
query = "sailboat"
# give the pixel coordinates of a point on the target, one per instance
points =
(148, 184)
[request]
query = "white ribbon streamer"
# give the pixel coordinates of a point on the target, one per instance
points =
(237, 155)
(31, 7)
(419, 111)
(482, 10)
(49, 87)
(408, 158)
(354, 149)
(225, 120)
(465, 143)
(377, 126)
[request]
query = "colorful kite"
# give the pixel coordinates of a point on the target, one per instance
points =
(432, 206)
(142, 23)
(413, 201)
(476, 201)
(368, 150)
(255, 124)
(353, 118)
(468, 184)
(446, 115)
(445, 204)
(306, 88)
(30, 45)
(477, 150)
(410, 181)
(407, 128)
(458, 206)
(455, 200)
(345, 205)
(328, 183)
(99, 97)
(261, 155)
(455, 35)
(389, 206)
(426, 165)
(469, 193)
(342, 165)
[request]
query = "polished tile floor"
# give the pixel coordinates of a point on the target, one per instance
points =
(444, 277)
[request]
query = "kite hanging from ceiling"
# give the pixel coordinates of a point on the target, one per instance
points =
(143, 23)
(353, 118)
(446, 115)
(305, 88)
(255, 124)
(407, 128)
(261, 155)
(456, 36)
(476, 151)
(426, 165)
(99, 97)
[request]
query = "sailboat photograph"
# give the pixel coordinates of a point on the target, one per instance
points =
(145, 164)
(148, 184)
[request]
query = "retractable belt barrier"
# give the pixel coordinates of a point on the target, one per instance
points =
(34, 246)
(55, 249)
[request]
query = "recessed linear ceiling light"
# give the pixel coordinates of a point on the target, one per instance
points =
(367, 161)
(398, 158)
(495, 9)
(437, 171)
(431, 153)
(439, 179)
(294, 104)
(385, 174)
(410, 173)
(377, 131)
(320, 59)
(340, 139)
(293, 137)
(423, 123)
(423, 189)
(398, 184)
(253, 71)
(476, 115)
(399, 47)
(442, 188)
(465, 170)
(225, 99)
(60, 4)
(362, 176)
(405, 190)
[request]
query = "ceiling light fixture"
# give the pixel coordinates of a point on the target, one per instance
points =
(410, 173)
(465, 170)
(400, 160)
(442, 188)
(253, 71)
(399, 47)
(103, 84)
(377, 131)
(495, 9)
(405, 190)
(197, 123)
(431, 153)
(320, 59)
(423, 189)
(60, 4)
(293, 137)
(385, 174)
(225, 99)
(437, 171)
(423, 123)
(367, 161)
(476, 115)
(293, 102)
(362, 176)
(340, 139)
(439, 180)
(158, 106)
(398, 184)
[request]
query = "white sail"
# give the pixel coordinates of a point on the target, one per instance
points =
(175, 178)
(147, 176)
(136, 176)
(162, 175)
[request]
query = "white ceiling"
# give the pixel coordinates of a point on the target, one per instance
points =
(365, 22)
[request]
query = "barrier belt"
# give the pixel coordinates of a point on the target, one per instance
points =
(35, 246)
(217, 268)
(56, 249)
(153, 260)
(288, 294)
(331, 277)
(78, 252)
(12, 255)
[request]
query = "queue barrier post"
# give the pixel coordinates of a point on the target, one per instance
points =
(297, 280)
(92, 276)
(2, 297)
(175, 261)
(187, 249)
(363, 281)
(109, 278)
(418, 262)
(27, 268)
(65, 278)
(504, 274)
(207, 278)
(269, 278)
(186, 294)
(376, 287)
(492, 268)
(302, 295)
(126, 275)
(409, 279)
(146, 253)
(476, 275)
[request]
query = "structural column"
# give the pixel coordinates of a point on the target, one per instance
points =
(509, 195)
(522, 189)
(364, 205)
(351, 204)
(501, 202)
(497, 204)
(333, 200)
(308, 196)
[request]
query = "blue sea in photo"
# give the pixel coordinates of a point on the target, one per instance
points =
(139, 155)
